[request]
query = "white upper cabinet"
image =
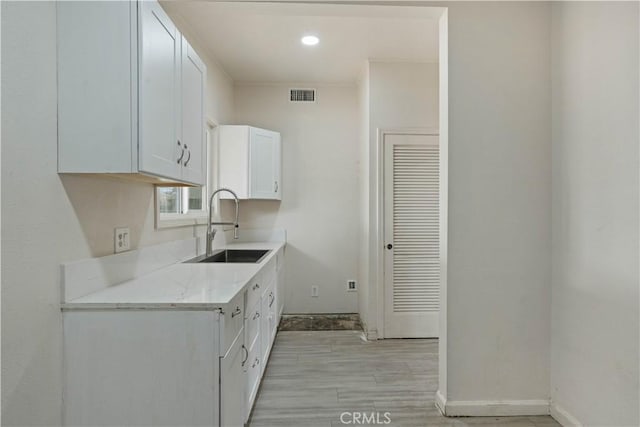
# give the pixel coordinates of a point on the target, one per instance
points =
(250, 162)
(131, 94)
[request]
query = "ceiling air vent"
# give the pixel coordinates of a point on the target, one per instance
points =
(302, 95)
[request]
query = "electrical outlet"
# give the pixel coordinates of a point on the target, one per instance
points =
(314, 291)
(351, 286)
(121, 239)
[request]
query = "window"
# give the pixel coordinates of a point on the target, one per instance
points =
(181, 206)
(180, 200)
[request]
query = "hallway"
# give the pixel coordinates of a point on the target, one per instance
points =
(314, 377)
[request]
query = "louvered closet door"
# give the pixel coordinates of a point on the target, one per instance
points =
(411, 224)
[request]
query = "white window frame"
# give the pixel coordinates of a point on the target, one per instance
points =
(188, 218)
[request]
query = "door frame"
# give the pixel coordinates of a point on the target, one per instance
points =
(379, 235)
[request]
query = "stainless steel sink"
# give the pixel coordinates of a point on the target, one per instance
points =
(250, 256)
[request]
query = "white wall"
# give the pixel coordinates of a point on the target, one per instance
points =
(594, 339)
(498, 310)
(401, 95)
(320, 202)
(49, 219)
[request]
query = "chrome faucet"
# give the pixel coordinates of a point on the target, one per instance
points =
(211, 232)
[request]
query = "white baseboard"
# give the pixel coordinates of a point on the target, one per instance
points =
(563, 417)
(372, 334)
(491, 408)
(441, 402)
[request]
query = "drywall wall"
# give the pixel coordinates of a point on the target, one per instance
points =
(402, 95)
(319, 207)
(48, 219)
(498, 291)
(595, 323)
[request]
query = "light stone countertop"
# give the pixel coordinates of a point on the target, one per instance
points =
(192, 286)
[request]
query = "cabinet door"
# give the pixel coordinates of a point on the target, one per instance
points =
(159, 151)
(265, 327)
(280, 286)
(232, 386)
(273, 315)
(264, 164)
(193, 133)
(252, 377)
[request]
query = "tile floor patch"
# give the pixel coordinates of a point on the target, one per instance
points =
(320, 322)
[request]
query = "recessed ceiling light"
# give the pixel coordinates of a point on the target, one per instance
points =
(310, 40)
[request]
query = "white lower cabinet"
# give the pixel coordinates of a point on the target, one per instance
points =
(153, 366)
(260, 330)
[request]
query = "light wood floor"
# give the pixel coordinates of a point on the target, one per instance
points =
(314, 376)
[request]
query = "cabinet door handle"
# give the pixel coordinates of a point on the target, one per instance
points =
(236, 312)
(273, 298)
(255, 316)
(275, 187)
(256, 286)
(186, 162)
(255, 362)
(182, 154)
(246, 353)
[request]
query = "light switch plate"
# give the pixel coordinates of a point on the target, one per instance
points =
(121, 239)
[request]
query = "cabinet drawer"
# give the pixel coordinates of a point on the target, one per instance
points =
(231, 322)
(252, 322)
(254, 290)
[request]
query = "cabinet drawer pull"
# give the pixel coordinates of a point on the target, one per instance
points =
(255, 363)
(273, 298)
(246, 352)
(256, 286)
(236, 312)
(186, 162)
(182, 154)
(255, 316)
(275, 187)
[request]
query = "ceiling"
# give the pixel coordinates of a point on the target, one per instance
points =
(260, 42)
